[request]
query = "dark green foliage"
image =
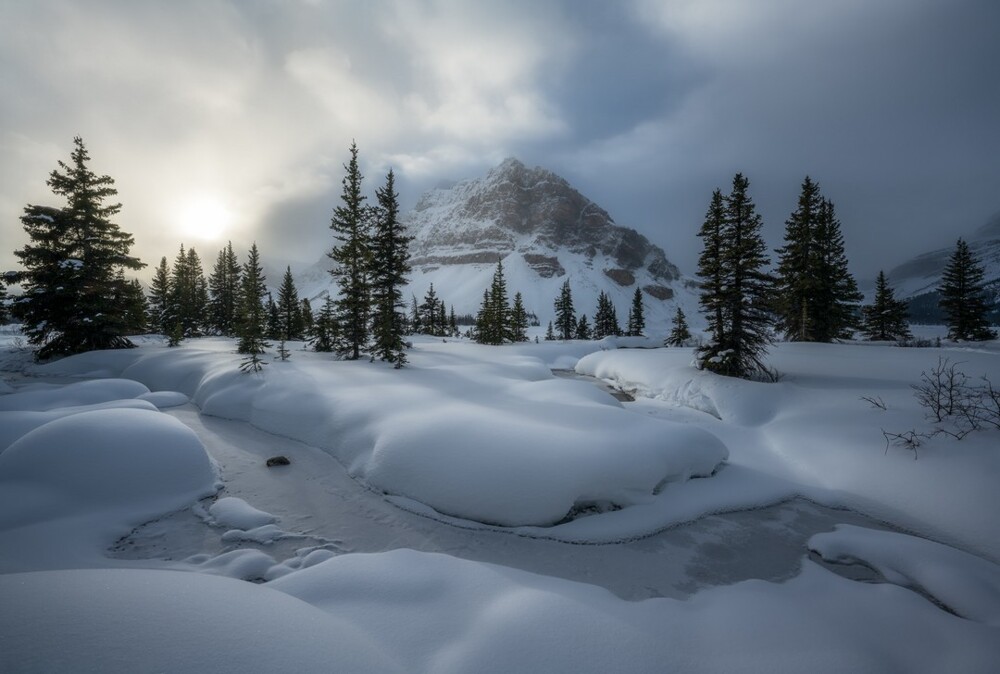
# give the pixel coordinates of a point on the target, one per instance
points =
(453, 323)
(252, 316)
(388, 273)
(352, 255)
(550, 335)
(493, 320)
(70, 278)
(132, 301)
(305, 311)
(413, 324)
(680, 334)
(187, 299)
(159, 299)
(565, 323)
(816, 296)
(740, 291)
(290, 323)
(964, 298)
(518, 320)
(283, 352)
(885, 318)
(582, 328)
(224, 291)
(636, 316)
(175, 335)
(605, 318)
(430, 314)
(273, 329)
(325, 327)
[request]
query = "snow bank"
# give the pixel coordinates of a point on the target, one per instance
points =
(441, 614)
(79, 393)
(474, 432)
(238, 514)
(968, 585)
(129, 621)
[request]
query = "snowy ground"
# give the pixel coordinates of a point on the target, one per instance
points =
(474, 512)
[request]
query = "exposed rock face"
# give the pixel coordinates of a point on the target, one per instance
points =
(533, 212)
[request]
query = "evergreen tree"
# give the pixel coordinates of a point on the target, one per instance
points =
(680, 334)
(3, 299)
(290, 324)
(583, 328)
(70, 278)
(550, 335)
(605, 318)
(837, 298)
(442, 320)
(429, 314)
(159, 298)
(885, 319)
(187, 303)
(453, 323)
(273, 330)
(712, 299)
(746, 290)
(325, 327)
(518, 320)
(391, 264)
(636, 316)
(492, 323)
(132, 301)
(252, 321)
(963, 297)
(224, 289)
(352, 255)
(414, 326)
(565, 323)
(816, 296)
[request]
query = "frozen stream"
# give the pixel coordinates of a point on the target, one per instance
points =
(315, 498)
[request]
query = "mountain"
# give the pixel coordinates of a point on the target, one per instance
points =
(918, 279)
(544, 231)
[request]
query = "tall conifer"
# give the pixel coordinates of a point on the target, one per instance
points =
(390, 266)
(963, 297)
(885, 318)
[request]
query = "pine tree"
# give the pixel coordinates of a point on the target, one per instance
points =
(352, 255)
(605, 318)
(442, 320)
(325, 327)
(680, 334)
(885, 318)
(187, 303)
(493, 320)
(305, 311)
(391, 264)
(70, 275)
(550, 335)
(565, 323)
(273, 329)
(224, 289)
(252, 322)
(414, 326)
(963, 297)
(583, 328)
(837, 298)
(132, 301)
(429, 321)
(636, 316)
(453, 323)
(159, 298)
(518, 320)
(746, 290)
(712, 299)
(290, 325)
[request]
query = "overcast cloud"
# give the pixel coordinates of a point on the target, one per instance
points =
(893, 106)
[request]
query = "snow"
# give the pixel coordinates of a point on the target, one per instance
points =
(968, 585)
(485, 444)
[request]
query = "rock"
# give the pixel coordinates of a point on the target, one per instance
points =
(278, 461)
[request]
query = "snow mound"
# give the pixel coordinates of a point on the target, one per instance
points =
(15, 424)
(113, 458)
(238, 514)
(441, 614)
(79, 393)
(127, 621)
(966, 584)
(165, 399)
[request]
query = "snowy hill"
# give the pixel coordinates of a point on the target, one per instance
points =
(544, 231)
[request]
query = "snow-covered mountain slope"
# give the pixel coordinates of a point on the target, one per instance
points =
(545, 232)
(922, 274)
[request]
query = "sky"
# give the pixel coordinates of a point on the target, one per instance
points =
(231, 119)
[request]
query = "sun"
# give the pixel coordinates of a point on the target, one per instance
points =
(204, 217)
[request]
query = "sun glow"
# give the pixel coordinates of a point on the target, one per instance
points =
(204, 217)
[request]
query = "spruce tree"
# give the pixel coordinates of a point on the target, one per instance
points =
(565, 323)
(583, 328)
(352, 256)
(963, 297)
(429, 313)
(252, 322)
(797, 272)
(712, 298)
(746, 290)
(325, 327)
(636, 316)
(132, 301)
(837, 298)
(224, 289)
(307, 318)
(885, 318)
(187, 303)
(273, 330)
(70, 278)
(159, 298)
(518, 320)
(493, 320)
(289, 309)
(680, 334)
(605, 318)
(390, 266)
(453, 323)
(550, 334)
